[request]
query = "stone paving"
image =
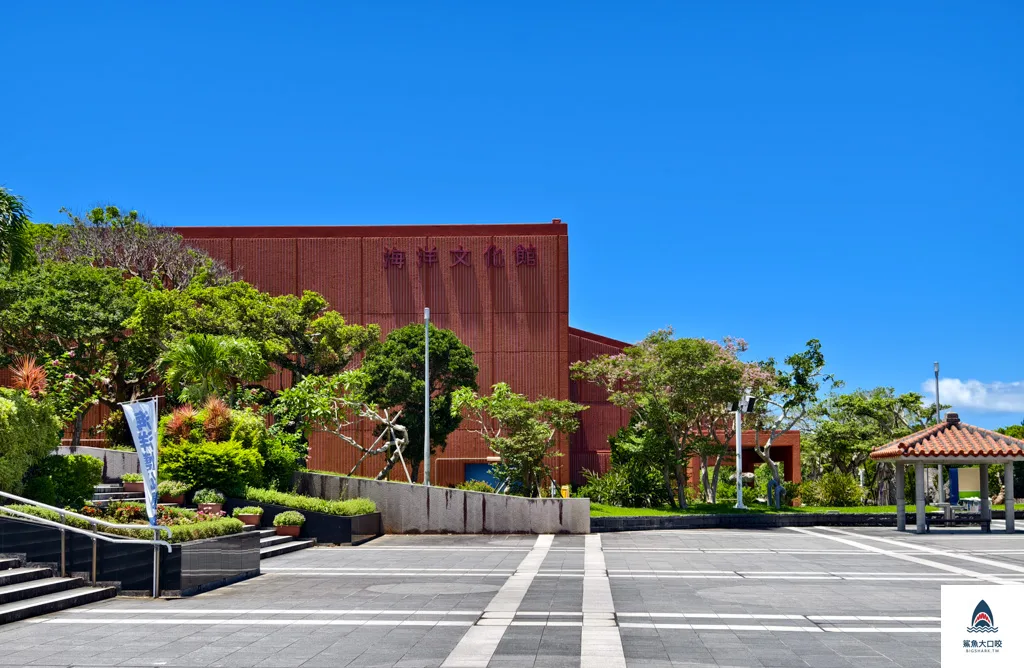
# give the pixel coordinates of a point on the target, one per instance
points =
(820, 597)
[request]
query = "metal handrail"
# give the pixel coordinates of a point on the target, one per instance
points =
(93, 534)
(91, 520)
(110, 538)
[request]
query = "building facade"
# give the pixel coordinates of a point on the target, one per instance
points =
(503, 289)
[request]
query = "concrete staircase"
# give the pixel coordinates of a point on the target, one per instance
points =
(272, 545)
(104, 494)
(28, 591)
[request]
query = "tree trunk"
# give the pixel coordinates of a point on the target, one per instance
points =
(667, 474)
(681, 483)
(714, 480)
(414, 469)
(705, 482)
(76, 433)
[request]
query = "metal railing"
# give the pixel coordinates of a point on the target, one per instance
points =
(94, 533)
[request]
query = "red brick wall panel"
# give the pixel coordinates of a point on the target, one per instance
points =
(334, 268)
(269, 264)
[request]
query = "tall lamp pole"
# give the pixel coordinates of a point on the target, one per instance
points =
(938, 420)
(745, 403)
(426, 397)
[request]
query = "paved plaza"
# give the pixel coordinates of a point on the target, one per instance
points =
(820, 597)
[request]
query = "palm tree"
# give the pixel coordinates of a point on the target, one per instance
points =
(198, 366)
(15, 245)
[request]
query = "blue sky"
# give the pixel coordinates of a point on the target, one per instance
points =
(849, 171)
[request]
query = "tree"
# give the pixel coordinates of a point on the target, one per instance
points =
(681, 388)
(1016, 431)
(843, 429)
(106, 237)
(298, 334)
(74, 315)
(15, 244)
(394, 379)
(521, 432)
(785, 397)
(335, 405)
(28, 432)
(197, 366)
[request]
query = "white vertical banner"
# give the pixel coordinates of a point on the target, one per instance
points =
(142, 420)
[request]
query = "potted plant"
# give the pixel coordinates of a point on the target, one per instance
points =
(133, 482)
(172, 491)
(250, 515)
(289, 523)
(210, 501)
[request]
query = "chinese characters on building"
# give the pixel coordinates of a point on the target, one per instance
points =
(525, 256)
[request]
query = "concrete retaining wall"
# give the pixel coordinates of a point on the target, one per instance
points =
(115, 462)
(417, 509)
(743, 521)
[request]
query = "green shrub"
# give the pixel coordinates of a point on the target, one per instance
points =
(72, 479)
(126, 512)
(289, 518)
(47, 514)
(281, 461)
(312, 504)
(727, 493)
(630, 485)
(762, 474)
(838, 489)
(183, 533)
(29, 431)
(208, 496)
(40, 488)
(226, 466)
(131, 477)
(171, 488)
(809, 493)
(247, 510)
(475, 486)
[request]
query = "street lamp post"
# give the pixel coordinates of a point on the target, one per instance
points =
(426, 397)
(938, 420)
(744, 404)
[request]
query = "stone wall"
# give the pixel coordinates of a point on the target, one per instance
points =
(417, 509)
(115, 462)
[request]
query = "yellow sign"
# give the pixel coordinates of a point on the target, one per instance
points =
(565, 491)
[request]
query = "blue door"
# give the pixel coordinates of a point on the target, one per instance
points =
(481, 472)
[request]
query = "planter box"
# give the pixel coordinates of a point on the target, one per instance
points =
(134, 487)
(249, 520)
(211, 508)
(190, 568)
(292, 530)
(330, 529)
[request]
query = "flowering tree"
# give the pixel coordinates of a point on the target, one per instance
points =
(682, 388)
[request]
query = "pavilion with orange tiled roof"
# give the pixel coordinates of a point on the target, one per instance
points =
(951, 443)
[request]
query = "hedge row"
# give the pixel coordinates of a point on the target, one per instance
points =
(312, 504)
(180, 533)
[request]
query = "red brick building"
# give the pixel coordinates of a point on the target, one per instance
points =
(503, 289)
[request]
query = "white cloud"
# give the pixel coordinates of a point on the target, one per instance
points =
(994, 397)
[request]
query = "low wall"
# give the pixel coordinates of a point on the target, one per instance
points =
(745, 521)
(115, 462)
(190, 568)
(409, 508)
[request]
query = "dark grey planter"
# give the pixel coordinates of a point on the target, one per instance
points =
(329, 529)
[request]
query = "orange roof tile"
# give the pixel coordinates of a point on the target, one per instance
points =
(952, 439)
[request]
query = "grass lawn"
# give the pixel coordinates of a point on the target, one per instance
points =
(602, 510)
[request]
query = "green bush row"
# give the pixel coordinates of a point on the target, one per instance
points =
(180, 533)
(312, 504)
(64, 480)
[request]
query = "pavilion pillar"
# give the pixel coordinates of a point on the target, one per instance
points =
(901, 502)
(919, 496)
(986, 503)
(1008, 487)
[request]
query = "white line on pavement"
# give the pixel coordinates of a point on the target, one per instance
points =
(248, 621)
(600, 643)
(906, 557)
(477, 646)
(924, 548)
(164, 610)
(777, 629)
